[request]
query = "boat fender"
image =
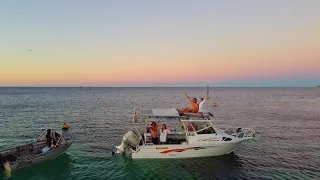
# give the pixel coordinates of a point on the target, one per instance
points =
(7, 167)
(65, 126)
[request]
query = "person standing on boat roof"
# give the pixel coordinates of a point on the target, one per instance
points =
(154, 132)
(194, 105)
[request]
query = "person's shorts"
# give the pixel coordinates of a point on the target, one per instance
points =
(155, 140)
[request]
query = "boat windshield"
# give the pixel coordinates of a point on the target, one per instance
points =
(200, 127)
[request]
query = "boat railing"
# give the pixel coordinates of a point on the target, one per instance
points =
(240, 132)
(245, 133)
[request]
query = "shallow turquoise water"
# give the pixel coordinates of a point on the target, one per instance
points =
(287, 121)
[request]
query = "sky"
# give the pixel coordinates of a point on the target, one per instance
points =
(160, 43)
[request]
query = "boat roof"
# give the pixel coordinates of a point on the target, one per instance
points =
(158, 112)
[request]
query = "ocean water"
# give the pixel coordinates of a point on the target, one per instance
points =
(287, 122)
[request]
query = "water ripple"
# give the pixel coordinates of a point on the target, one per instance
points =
(287, 121)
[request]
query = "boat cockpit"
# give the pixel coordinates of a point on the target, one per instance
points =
(179, 130)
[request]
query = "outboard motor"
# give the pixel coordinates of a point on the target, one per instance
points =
(130, 140)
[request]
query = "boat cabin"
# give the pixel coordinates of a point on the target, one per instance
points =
(181, 128)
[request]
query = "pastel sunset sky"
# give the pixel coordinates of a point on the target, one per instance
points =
(159, 43)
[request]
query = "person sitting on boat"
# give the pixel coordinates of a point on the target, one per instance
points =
(194, 106)
(154, 132)
(164, 133)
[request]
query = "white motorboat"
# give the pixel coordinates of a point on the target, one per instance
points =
(192, 135)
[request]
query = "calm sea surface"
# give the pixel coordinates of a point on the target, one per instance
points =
(287, 121)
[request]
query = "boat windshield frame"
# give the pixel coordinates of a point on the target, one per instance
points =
(195, 131)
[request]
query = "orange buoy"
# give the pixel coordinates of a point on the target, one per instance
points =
(214, 104)
(65, 126)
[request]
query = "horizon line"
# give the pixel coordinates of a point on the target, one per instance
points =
(159, 86)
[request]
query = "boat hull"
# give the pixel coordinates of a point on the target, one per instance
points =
(183, 150)
(38, 158)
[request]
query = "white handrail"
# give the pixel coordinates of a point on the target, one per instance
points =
(244, 133)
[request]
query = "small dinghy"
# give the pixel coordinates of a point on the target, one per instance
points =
(50, 144)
